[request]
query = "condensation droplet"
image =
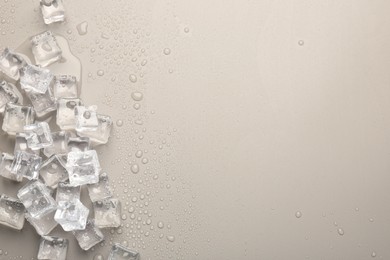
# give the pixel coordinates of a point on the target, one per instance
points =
(139, 154)
(171, 238)
(119, 123)
(340, 231)
(100, 72)
(301, 43)
(160, 224)
(373, 254)
(137, 96)
(298, 214)
(136, 106)
(186, 29)
(133, 78)
(98, 257)
(167, 51)
(82, 28)
(135, 168)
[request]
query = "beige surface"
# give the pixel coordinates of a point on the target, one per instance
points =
(262, 109)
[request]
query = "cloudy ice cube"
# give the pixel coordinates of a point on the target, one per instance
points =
(60, 143)
(5, 168)
(53, 171)
(38, 135)
(45, 49)
(66, 118)
(34, 78)
(52, 11)
(100, 190)
(43, 103)
(10, 63)
(44, 224)
(65, 86)
(26, 165)
(21, 144)
(11, 212)
(119, 252)
(88, 237)
(101, 133)
(7, 94)
(65, 192)
(83, 167)
(16, 117)
(71, 215)
(79, 144)
(107, 213)
(86, 119)
(51, 248)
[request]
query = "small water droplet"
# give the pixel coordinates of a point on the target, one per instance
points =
(98, 257)
(139, 154)
(137, 96)
(167, 51)
(136, 106)
(340, 231)
(171, 238)
(160, 224)
(82, 28)
(119, 123)
(135, 168)
(186, 29)
(298, 214)
(100, 72)
(301, 43)
(133, 78)
(373, 254)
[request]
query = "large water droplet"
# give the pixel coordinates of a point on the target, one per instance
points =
(171, 238)
(137, 96)
(82, 28)
(135, 168)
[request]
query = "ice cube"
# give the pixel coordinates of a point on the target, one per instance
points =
(5, 168)
(51, 248)
(45, 49)
(10, 63)
(119, 252)
(38, 135)
(11, 212)
(42, 103)
(60, 144)
(78, 144)
(44, 224)
(16, 117)
(34, 78)
(86, 119)
(88, 237)
(52, 11)
(53, 172)
(36, 198)
(107, 213)
(65, 192)
(71, 215)
(83, 167)
(101, 134)
(65, 86)
(66, 118)
(26, 165)
(7, 94)
(100, 190)
(21, 144)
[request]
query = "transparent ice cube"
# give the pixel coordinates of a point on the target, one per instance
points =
(88, 237)
(65, 192)
(34, 78)
(51, 248)
(79, 144)
(26, 165)
(5, 168)
(119, 252)
(7, 94)
(52, 11)
(86, 119)
(101, 134)
(65, 86)
(36, 198)
(60, 144)
(21, 144)
(45, 49)
(44, 224)
(10, 63)
(71, 215)
(66, 118)
(100, 190)
(43, 103)
(16, 117)
(53, 172)
(11, 212)
(38, 135)
(83, 167)
(107, 213)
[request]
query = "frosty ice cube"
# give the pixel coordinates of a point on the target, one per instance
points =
(119, 252)
(5, 168)
(34, 78)
(38, 135)
(65, 86)
(44, 224)
(16, 117)
(11, 212)
(53, 248)
(71, 215)
(100, 190)
(79, 144)
(26, 165)
(86, 119)
(21, 144)
(101, 134)
(65, 192)
(83, 167)
(53, 172)
(60, 144)
(43, 103)
(45, 49)
(88, 237)
(66, 118)
(7, 94)
(107, 213)
(52, 11)
(10, 63)
(36, 198)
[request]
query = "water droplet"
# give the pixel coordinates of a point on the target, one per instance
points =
(137, 96)
(301, 43)
(298, 214)
(98, 257)
(100, 72)
(167, 51)
(340, 231)
(145, 160)
(133, 78)
(119, 123)
(124, 216)
(171, 238)
(136, 106)
(135, 168)
(373, 254)
(160, 224)
(186, 29)
(139, 154)
(82, 28)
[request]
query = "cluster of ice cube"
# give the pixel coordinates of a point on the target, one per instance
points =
(54, 164)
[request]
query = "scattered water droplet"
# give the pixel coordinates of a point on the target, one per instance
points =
(136, 106)
(160, 224)
(82, 28)
(186, 29)
(171, 238)
(135, 168)
(139, 154)
(340, 231)
(167, 51)
(133, 78)
(373, 254)
(301, 43)
(98, 257)
(100, 72)
(137, 96)
(119, 123)
(298, 214)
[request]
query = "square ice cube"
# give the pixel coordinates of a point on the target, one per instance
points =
(21, 144)
(7, 94)
(53, 248)
(16, 117)
(71, 215)
(5, 168)
(52, 11)
(11, 212)
(107, 213)
(44, 224)
(119, 252)
(53, 172)
(36, 198)
(101, 134)
(26, 165)
(43, 103)
(34, 78)
(65, 192)
(79, 144)
(100, 190)
(38, 135)
(10, 63)
(86, 119)
(45, 49)
(65, 86)
(88, 237)
(60, 144)
(83, 167)
(66, 118)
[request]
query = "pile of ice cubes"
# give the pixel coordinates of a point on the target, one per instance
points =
(54, 164)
